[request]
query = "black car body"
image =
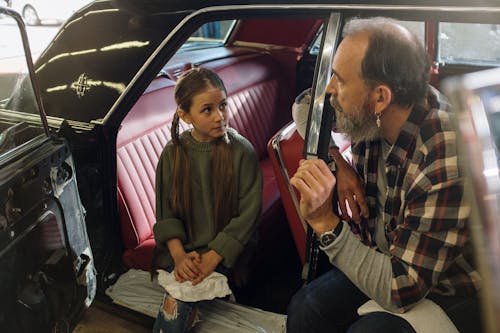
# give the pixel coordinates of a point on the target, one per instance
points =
(97, 79)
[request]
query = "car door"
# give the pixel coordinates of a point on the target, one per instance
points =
(476, 97)
(47, 276)
(321, 118)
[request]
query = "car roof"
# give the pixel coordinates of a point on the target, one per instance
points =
(76, 52)
(196, 4)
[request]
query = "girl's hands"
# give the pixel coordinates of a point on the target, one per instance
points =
(187, 266)
(207, 265)
(194, 267)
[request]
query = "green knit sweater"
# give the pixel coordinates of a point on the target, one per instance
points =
(229, 242)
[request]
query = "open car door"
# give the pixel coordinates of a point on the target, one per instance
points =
(318, 133)
(476, 97)
(47, 275)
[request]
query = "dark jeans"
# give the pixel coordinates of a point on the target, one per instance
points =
(330, 302)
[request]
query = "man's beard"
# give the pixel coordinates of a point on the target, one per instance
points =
(359, 125)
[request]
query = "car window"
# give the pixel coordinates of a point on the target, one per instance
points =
(417, 27)
(469, 44)
(211, 34)
(316, 44)
(43, 18)
(16, 127)
(46, 13)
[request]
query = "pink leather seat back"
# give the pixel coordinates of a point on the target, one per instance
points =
(285, 152)
(258, 97)
(140, 141)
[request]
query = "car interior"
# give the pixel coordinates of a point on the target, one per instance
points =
(265, 59)
(263, 73)
(259, 99)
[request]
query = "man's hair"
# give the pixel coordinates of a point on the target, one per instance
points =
(394, 57)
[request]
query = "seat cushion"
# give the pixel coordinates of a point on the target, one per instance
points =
(140, 256)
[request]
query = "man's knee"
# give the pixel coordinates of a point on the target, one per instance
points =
(298, 303)
(306, 309)
(381, 322)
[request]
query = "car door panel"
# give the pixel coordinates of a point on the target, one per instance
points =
(44, 248)
(47, 275)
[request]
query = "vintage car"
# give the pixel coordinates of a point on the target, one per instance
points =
(83, 127)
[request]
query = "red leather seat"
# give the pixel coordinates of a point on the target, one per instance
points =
(142, 136)
(285, 151)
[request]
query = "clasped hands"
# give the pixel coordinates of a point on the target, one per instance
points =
(194, 267)
(315, 183)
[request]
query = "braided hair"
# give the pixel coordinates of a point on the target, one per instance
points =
(190, 84)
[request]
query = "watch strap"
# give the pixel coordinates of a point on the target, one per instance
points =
(329, 237)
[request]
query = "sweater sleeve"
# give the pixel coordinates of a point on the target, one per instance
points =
(230, 242)
(167, 226)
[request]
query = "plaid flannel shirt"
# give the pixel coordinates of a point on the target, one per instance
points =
(426, 216)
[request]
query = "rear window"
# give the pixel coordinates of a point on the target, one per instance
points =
(211, 34)
(469, 44)
(416, 27)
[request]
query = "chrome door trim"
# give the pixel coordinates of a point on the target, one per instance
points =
(322, 77)
(276, 144)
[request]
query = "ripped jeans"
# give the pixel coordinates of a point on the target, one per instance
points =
(176, 316)
(182, 317)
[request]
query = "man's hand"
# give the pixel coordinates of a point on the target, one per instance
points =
(315, 182)
(349, 189)
(207, 265)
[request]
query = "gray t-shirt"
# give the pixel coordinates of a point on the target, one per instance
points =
(380, 238)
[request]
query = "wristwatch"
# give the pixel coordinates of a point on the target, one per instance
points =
(329, 237)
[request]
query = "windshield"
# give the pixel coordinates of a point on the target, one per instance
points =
(16, 125)
(13, 66)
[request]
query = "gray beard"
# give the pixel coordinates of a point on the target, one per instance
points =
(362, 126)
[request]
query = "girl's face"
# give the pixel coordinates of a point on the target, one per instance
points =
(208, 115)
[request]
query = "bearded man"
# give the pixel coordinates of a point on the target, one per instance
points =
(406, 250)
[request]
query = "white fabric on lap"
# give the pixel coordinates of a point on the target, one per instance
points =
(213, 286)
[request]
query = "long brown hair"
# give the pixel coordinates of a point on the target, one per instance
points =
(190, 84)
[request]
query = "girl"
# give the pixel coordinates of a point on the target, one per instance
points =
(208, 193)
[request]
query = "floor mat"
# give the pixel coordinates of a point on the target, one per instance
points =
(136, 291)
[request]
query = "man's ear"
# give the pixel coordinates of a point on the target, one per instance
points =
(186, 117)
(381, 98)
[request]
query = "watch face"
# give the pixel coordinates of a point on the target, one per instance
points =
(327, 238)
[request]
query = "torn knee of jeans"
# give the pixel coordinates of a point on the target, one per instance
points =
(193, 318)
(169, 308)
